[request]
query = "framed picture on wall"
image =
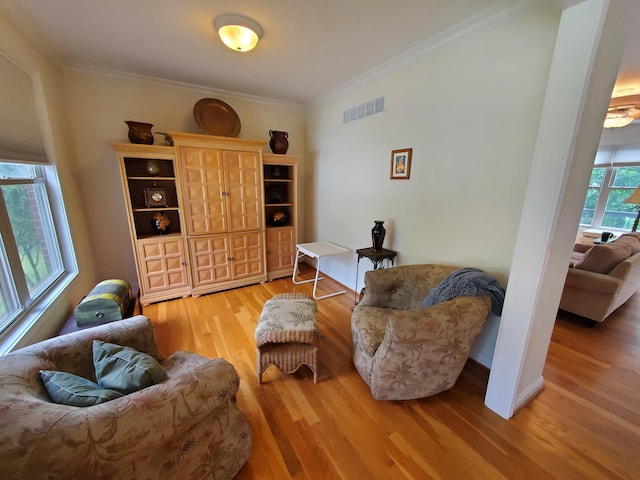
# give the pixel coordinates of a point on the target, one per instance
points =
(401, 164)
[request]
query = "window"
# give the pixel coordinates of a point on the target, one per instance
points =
(30, 255)
(616, 174)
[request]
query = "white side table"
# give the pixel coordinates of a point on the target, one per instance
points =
(316, 250)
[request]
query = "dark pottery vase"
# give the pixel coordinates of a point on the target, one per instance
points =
(161, 223)
(377, 235)
(140, 132)
(279, 142)
(275, 194)
(278, 219)
(152, 167)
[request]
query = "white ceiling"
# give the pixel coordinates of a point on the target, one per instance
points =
(309, 48)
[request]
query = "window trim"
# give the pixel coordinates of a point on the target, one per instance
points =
(40, 312)
(46, 307)
(610, 158)
(48, 195)
(52, 306)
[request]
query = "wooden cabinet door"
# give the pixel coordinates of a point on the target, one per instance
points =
(243, 177)
(247, 259)
(163, 265)
(204, 190)
(210, 259)
(281, 249)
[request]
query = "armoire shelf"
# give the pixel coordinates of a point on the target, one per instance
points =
(280, 174)
(161, 261)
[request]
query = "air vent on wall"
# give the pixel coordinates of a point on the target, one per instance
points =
(363, 110)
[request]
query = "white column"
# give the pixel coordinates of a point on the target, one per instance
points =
(587, 56)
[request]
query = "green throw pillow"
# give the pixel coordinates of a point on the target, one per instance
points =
(69, 389)
(124, 369)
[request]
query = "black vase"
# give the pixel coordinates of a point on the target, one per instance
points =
(377, 235)
(161, 223)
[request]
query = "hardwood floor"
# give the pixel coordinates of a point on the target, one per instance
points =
(585, 424)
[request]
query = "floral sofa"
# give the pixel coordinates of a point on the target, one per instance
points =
(602, 277)
(187, 426)
(404, 351)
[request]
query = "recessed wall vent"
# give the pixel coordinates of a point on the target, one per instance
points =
(363, 110)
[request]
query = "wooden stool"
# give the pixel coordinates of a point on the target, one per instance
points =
(287, 334)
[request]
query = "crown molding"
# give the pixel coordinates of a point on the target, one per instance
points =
(470, 26)
(192, 87)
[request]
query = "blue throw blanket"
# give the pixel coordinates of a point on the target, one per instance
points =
(467, 281)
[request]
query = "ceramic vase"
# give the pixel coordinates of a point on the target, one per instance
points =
(377, 235)
(161, 223)
(140, 132)
(279, 142)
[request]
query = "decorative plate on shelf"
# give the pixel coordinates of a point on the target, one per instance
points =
(215, 117)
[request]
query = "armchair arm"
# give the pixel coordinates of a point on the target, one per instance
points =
(438, 322)
(592, 281)
(196, 384)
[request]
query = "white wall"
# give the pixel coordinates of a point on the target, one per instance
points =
(470, 111)
(98, 105)
(19, 51)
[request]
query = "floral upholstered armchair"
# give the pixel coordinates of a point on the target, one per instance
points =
(403, 350)
(187, 426)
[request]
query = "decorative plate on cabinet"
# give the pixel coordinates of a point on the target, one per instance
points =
(215, 117)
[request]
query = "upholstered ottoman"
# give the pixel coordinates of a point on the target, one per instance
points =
(287, 334)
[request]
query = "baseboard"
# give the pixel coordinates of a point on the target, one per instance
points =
(528, 393)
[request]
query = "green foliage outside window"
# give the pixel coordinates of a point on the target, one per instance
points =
(626, 180)
(593, 192)
(31, 246)
(617, 214)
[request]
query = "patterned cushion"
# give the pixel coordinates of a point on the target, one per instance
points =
(124, 369)
(288, 318)
(69, 389)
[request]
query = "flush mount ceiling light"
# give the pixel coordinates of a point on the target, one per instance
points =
(622, 111)
(237, 32)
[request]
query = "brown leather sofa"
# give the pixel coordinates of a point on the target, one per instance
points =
(602, 277)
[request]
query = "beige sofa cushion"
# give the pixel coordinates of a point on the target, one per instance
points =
(576, 258)
(602, 258)
(632, 239)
